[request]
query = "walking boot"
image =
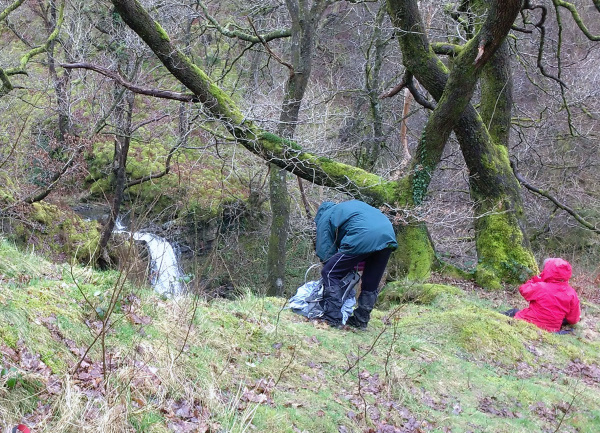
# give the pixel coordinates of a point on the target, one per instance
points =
(332, 305)
(361, 315)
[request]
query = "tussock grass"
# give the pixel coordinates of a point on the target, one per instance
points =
(442, 360)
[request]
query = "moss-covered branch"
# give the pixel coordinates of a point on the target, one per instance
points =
(446, 49)
(283, 153)
(6, 84)
(38, 50)
(577, 18)
(10, 8)
(244, 36)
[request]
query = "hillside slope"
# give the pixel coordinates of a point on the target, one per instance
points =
(83, 351)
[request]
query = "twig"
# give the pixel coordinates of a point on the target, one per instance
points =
(565, 412)
(370, 349)
(275, 56)
(564, 207)
(157, 93)
(304, 199)
(292, 357)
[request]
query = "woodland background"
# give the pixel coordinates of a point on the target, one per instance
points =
(221, 126)
(75, 137)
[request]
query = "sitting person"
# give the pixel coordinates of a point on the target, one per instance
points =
(552, 301)
(348, 234)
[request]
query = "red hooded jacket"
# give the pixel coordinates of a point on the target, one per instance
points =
(550, 297)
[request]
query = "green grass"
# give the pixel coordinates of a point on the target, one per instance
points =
(443, 360)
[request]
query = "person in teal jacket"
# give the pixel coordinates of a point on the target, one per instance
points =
(350, 233)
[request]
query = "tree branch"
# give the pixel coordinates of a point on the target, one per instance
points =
(156, 175)
(446, 49)
(55, 178)
(562, 206)
(270, 147)
(577, 18)
(6, 84)
(541, 26)
(10, 8)
(157, 93)
(275, 56)
(409, 83)
(256, 38)
(397, 88)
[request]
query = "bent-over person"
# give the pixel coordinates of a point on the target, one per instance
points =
(349, 233)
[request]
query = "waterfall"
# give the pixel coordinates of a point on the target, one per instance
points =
(166, 273)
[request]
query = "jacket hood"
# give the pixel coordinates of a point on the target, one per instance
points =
(324, 207)
(556, 270)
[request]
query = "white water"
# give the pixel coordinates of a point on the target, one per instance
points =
(166, 273)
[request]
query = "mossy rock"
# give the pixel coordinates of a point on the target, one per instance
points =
(399, 292)
(60, 233)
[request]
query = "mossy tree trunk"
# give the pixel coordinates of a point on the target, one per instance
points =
(503, 248)
(503, 252)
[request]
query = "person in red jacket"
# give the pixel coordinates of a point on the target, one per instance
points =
(552, 301)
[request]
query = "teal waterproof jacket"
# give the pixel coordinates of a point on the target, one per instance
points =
(352, 227)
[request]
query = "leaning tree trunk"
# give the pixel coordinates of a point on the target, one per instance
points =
(503, 254)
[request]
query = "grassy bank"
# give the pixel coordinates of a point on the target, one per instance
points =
(77, 358)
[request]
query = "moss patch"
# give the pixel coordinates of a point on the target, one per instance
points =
(414, 258)
(502, 256)
(60, 233)
(398, 292)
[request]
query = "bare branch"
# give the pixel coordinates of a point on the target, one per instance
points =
(562, 206)
(420, 99)
(55, 178)
(275, 56)
(155, 175)
(396, 89)
(408, 82)
(541, 26)
(157, 93)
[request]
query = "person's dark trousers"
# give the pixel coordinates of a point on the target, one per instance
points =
(337, 267)
(511, 313)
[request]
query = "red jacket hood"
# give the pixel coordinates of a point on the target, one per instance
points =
(556, 270)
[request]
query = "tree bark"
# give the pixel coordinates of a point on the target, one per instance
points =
(304, 23)
(502, 248)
